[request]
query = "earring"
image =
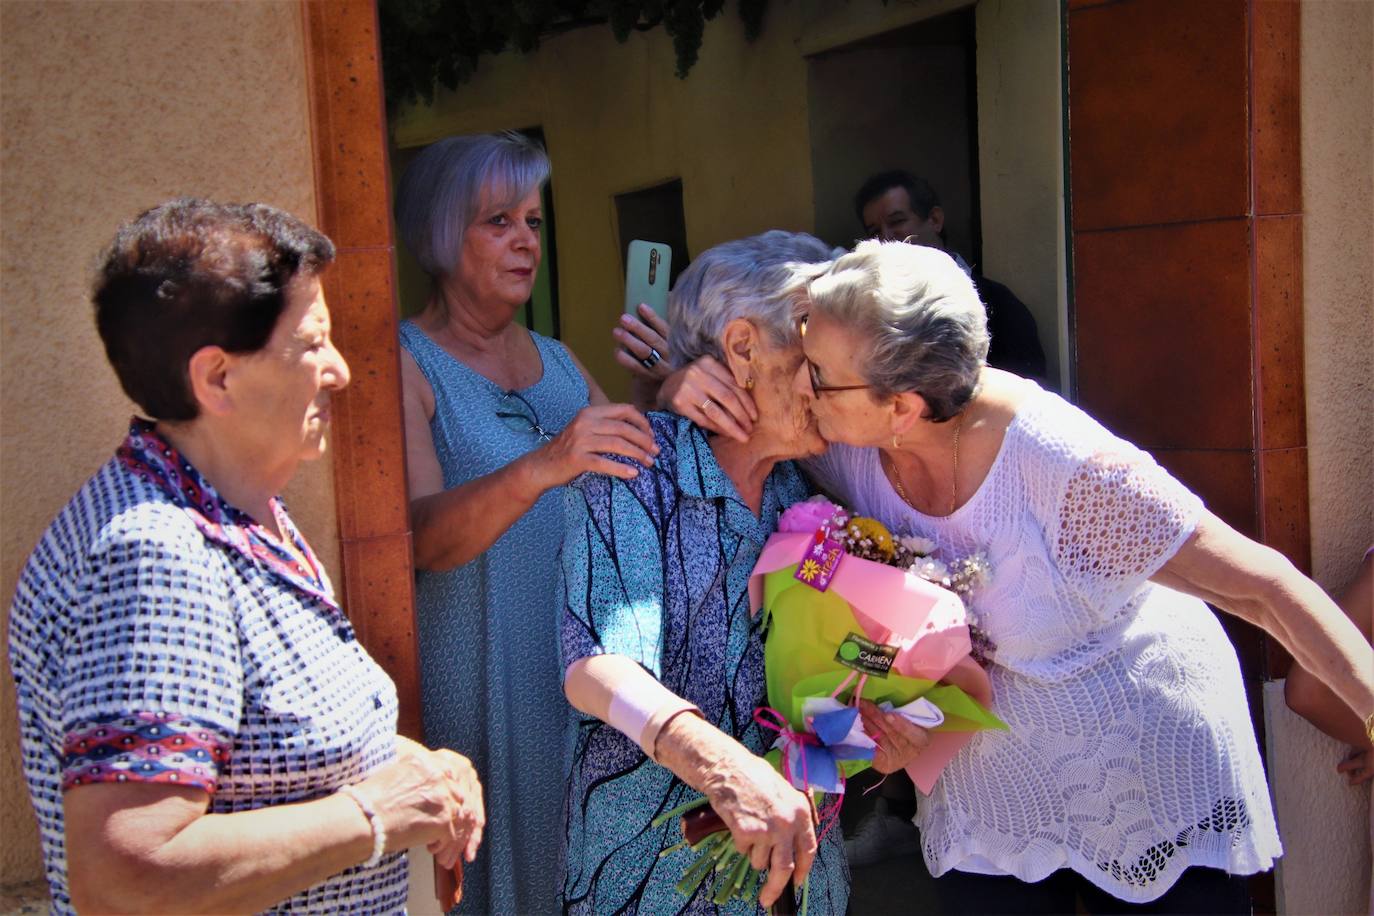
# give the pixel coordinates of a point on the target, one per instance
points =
(895, 446)
(748, 383)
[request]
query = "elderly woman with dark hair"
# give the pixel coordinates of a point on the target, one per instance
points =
(663, 657)
(1130, 774)
(201, 731)
(497, 420)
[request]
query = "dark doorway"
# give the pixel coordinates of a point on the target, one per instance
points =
(905, 99)
(654, 214)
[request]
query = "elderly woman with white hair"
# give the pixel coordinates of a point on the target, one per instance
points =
(1130, 774)
(1130, 779)
(497, 420)
(664, 659)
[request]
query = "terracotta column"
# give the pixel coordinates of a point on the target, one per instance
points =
(1187, 253)
(349, 133)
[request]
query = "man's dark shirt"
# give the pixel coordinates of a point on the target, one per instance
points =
(1015, 343)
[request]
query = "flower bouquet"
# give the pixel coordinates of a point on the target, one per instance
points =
(851, 612)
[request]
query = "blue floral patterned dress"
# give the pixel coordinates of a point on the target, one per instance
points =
(657, 569)
(491, 686)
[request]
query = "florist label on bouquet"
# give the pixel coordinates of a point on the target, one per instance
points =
(866, 656)
(817, 567)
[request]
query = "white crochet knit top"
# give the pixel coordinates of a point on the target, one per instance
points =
(1130, 754)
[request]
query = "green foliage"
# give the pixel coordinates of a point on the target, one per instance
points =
(431, 43)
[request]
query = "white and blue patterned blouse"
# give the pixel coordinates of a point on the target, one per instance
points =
(159, 635)
(657, 569)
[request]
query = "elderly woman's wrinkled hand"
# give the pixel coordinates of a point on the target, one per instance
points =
(643, 345)
(429, 798)
(900, 741)
(598, 431)
(705, 393)
(770, 822)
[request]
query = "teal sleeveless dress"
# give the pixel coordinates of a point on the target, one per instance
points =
(491, 680)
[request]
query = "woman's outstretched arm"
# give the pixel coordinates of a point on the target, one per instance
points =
(1314, 701)
(1259, 585)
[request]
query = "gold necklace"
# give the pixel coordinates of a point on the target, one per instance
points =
(953, 483)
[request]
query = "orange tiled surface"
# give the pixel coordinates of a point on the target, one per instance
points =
(369, 462)
(1188, 280)
(1286, 524)
(1278, 177)
(1283, 495)
(1157, 112)
(1278, 332)
(350, 122)
(1163, 318)
(379, 579)
(369, 467)
(1225, 479)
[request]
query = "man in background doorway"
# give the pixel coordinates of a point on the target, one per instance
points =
(899, 206)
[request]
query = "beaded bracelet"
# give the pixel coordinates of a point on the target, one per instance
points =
(373, 821)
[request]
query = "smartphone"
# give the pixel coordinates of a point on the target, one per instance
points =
(647, 268)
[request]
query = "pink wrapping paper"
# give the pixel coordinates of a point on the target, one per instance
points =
(900, 608)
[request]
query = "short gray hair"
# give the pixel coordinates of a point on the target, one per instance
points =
(441, 192)
(926, 328)
(758, 278)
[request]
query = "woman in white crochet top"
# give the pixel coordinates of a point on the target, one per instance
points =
(1131, 756)
(1130, 774)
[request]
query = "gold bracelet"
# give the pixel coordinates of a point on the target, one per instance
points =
(1369, 727)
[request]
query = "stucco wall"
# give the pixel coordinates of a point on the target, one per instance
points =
(1324, 823)
(1338, 280)
(109, 108)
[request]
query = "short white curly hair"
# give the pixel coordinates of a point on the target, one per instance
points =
(758, 278)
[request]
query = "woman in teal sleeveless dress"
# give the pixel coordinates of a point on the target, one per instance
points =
(498, 419)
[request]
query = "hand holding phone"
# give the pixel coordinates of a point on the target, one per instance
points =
(648, 266)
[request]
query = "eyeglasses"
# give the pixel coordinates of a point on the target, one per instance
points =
(518, 414)
(817, 388)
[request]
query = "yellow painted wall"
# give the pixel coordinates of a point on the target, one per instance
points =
(1021, 162)
(616, 119)
(737, 133)
(109, 108)
(1020, 140)
(1325, 823)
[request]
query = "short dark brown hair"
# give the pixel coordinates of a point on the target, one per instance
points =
(922, 196)
(192, 273)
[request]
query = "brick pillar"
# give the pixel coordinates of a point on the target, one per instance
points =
(1187, 259)
(1187, 252)
(349, 133)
